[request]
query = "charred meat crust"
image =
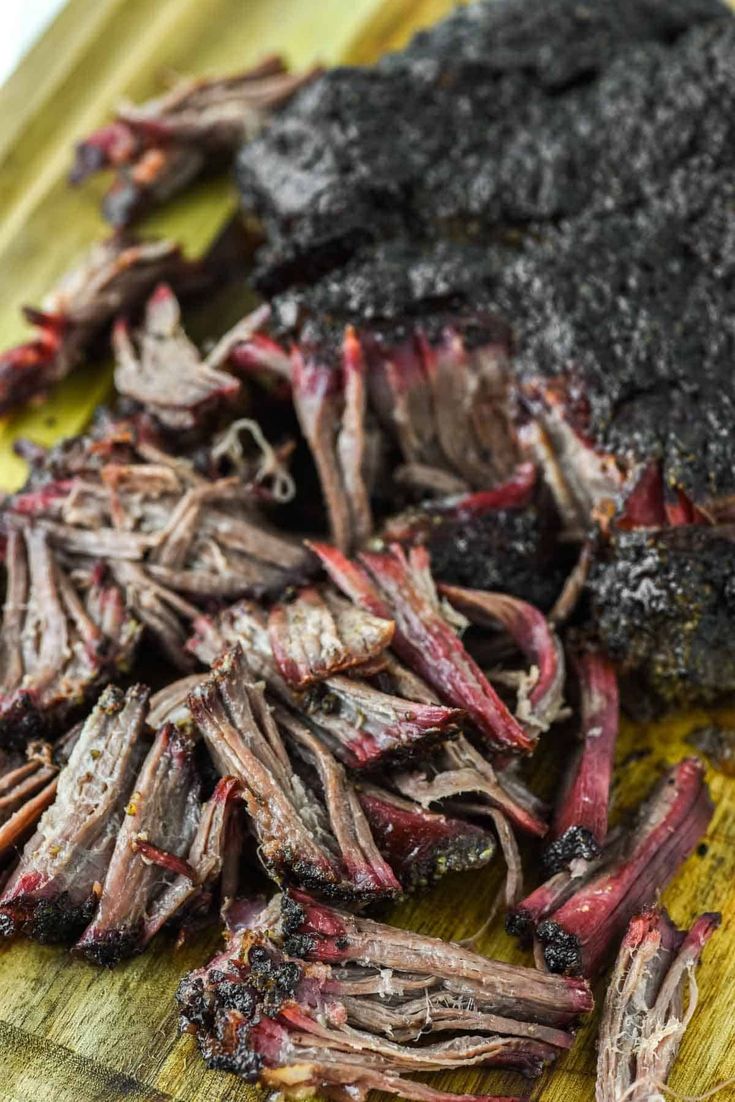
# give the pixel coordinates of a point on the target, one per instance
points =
(540, 185)
(662, 604)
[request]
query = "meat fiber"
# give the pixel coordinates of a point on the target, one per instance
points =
(392, 584)
(649, 1004)
(55, 889)
(27, 787)
(63, 633)
(579, 914)
(171, 536)
(325, 846)
(114, 277)
(165, 373)
(365, 723)
(161, 820)
(159, 147)
(505, 539)
(322, 1000)
(579, 826)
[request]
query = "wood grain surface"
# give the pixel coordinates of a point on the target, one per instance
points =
(70, 1033)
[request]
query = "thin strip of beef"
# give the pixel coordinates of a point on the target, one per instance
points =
(579, 825)
(421, 846)
(649, 1004)
(62, 633)
(113, 277)
(26, 790)
(540, 691)
(351, 1011)
(330, 403)
(214, 857)
(369, 729)
(158, 147)
(54, 891)
(394, 585)
(460, 780)
(161, 820)
(579, 934)
(298, 841)
(165, 373)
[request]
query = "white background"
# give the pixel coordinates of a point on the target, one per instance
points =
(21, 22)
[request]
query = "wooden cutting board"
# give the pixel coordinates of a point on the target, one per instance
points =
(69, 1033)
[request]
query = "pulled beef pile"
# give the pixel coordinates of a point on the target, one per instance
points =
(464, 477)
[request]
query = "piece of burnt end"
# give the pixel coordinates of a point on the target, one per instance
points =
(513, 550)
(115, 276)
(662, 605)
(63, 632)
(326, 847)
(54, 891)
(400, 586)
(578, 936)
(580, 821)
(162, 370)
(283, 1007)
(161, 820)
(422, 846)
(157, 148)
(505, 539)
(649, 1004)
